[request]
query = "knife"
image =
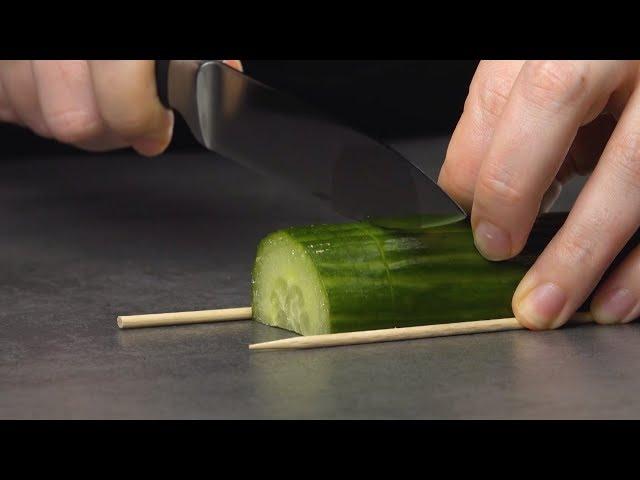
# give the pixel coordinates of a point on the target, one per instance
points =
(277, 134)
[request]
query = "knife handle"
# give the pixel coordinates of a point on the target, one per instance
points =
(162, 81)
(176, 85)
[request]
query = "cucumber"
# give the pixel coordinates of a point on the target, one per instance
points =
(360, 276)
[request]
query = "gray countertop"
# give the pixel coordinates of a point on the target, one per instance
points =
(85, 238)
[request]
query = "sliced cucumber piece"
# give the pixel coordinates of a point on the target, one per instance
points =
(359, 276)
(287, 291)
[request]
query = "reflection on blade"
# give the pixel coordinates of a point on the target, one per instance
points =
(276, 134)
(415, 222)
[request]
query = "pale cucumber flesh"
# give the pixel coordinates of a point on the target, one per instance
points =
(287, 291)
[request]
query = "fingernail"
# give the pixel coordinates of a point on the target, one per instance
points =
(492, 242)
(542, 306)
(171, 123)
(614, 306)
(155, 144)
(41, 128)
(237, 64)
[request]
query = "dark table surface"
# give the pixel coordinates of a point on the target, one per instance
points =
(84, 238)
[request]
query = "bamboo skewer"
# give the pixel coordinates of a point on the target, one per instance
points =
(183, 318)
(335, 339)
(406, 333)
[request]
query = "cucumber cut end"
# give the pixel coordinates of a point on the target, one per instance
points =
(287, 290)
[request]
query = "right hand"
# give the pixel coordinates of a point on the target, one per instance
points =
(96, 105)
(527, 127)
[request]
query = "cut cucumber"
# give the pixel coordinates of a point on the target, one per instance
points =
(287, 289)
(358, 276)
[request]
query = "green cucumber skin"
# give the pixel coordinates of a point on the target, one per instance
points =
(378, 278)
(381, 278)
(393, 279)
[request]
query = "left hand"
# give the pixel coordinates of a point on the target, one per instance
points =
(527, 127)
(96, 105)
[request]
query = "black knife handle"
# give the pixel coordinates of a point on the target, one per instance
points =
(162, 81)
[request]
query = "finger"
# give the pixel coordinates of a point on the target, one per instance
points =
(605, 216)
(488, 94)
(69, 106)
(618, 298)
(582, 157)
(548, 103)
(6, 112)
(128, 102)
(20, 89)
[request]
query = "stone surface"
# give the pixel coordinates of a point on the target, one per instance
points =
(85, 238)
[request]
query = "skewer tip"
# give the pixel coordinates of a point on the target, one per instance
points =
(273, 345)
(119, 321)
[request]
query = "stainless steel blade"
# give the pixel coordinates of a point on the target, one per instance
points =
(276, 134)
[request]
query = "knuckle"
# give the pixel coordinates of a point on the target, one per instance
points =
(554, 84)
(491, 95)
(577, 246)
(624, 153)
(74, 126)
(501, 190)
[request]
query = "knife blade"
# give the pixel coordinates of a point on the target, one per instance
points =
(277, 134)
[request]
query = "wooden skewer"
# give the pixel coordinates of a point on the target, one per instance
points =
(407, 333)
(183, 318)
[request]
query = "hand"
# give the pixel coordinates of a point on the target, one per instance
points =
(94, 105)
(527, 127)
